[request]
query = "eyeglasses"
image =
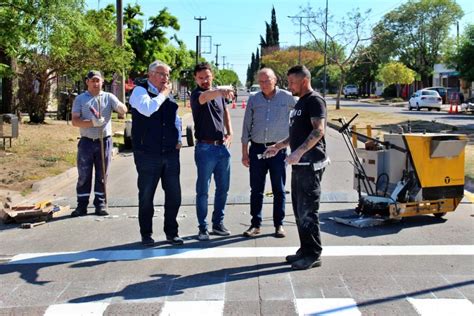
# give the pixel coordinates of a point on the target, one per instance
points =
(161, 74)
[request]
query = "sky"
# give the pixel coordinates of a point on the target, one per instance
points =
(238, 24)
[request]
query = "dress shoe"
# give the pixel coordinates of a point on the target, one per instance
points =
(280, 232)
(306, 263)
(175, 240)
(148, 241)
(252, 231)
(293, 258)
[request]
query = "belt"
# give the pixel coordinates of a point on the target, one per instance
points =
(95, 139)
(263, 144)
(211, 142)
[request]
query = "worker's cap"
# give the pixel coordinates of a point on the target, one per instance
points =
(94, 73)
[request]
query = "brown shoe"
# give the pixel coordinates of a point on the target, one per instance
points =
(280, 232)
(252, 231)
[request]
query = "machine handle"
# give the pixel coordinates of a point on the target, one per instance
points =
(345, 126)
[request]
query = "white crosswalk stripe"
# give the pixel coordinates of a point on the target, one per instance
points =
(208, 308)
(327, 306)
(237, 252)
(79, 309)
(442, 307)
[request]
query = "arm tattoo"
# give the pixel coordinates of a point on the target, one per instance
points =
(316, 134)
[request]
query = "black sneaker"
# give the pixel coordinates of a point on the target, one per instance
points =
(175, 240)
(220, 230)
(306, 263)
(148, 241)
(100, 211)
(79, 212)
(203, 235)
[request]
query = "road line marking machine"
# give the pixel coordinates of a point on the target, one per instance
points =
(405, 174)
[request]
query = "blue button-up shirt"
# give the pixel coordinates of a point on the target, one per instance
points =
(267, 120)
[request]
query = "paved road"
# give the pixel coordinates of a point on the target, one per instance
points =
(95, 265)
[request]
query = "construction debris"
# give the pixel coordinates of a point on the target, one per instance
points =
(32, 214)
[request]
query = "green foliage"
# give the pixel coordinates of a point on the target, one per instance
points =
(153, 44)
(460, 54)
(226, 77)
(414, 32)
(395, 73)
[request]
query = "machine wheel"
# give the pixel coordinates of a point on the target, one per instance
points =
(189, 135)
(439, 215)
(127, 140)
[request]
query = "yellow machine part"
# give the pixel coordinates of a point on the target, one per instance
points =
(426, 207)
(434, 171)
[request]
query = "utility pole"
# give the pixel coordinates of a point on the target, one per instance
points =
(223, 62)
(121, 77)
(301, 20)
(217, 55)
(198, 42)
(325, 49)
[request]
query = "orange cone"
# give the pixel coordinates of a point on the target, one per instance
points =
(243, 104)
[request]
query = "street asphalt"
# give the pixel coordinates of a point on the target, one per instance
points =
(96, 266)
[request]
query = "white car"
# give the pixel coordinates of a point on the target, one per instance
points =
(254, 89)
(428, 99)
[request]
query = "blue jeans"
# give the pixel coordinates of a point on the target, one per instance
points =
(89, 159)
(305, 196)
(151, 169)
(258, 173)
(211, 160)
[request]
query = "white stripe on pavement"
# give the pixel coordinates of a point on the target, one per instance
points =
(95, 308)
(327, 306)
(185, 308)
(237, 252)
(442, 307)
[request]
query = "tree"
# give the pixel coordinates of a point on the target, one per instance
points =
(395, 73)
(414, 32)
(282, 60)
(348, 35)
(226, 77)
(364, 73)
(152, 44)
(461, 57)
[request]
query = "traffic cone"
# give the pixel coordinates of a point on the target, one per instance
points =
(243, 104)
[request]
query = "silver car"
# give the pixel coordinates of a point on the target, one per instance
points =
(428, 99)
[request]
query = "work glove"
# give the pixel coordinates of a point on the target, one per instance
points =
(98, 122)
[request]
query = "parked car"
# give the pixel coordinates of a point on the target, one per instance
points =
(254, 89)
(351, 90)
(444, 92)
(428, 99)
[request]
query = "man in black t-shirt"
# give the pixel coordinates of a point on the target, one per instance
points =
(308, 159)
(214, 135)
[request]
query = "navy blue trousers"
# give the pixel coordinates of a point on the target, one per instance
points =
(258, 171)
(89, 160)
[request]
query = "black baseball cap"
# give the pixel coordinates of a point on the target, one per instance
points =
(94, 73)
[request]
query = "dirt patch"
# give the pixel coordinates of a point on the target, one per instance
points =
(41, 150)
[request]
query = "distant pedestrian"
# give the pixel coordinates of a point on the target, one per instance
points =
(92, 112)
(266, 121)
(156, 141)
(308, 159)
(213, 131)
